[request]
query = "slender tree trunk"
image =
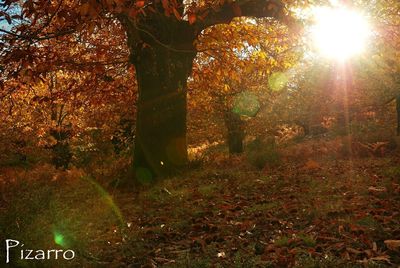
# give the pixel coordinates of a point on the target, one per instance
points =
(304, 125)
(398, 114)
(236, 134)
(62, 154)
(162, 73)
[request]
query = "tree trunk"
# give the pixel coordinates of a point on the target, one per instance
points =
(398, 114)
(62, 154)
(304, 125)
(236, 134)
(162, 73)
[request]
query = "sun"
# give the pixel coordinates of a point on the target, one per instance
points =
(339, 33)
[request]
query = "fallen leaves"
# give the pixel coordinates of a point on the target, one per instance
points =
(373, 189)
(392, 244)
(221, 254)
(311, 165)
(224, 217)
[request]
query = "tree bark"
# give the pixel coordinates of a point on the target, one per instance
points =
(236, 134)
(304, 125)
(398, 114)
(162, 72)
(62, 154)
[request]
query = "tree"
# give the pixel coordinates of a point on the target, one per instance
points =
(161, 39)
(162, 50)
(230, 79)
(59, 86)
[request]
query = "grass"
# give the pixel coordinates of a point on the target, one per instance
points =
(223, 210)
(208, 190)
(368, 222)
(308, 240)
(264, 207)
(393, 172)
(329, 261)
(282, 241)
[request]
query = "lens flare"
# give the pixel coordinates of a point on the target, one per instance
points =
(278, 81)
(59, 239)
(246, 104)
(340, 33)
(107, 198)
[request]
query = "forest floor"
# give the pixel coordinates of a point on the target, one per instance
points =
(321, 213)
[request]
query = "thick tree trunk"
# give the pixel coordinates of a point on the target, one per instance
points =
(162, 50)
(236, 134)
(162, 73)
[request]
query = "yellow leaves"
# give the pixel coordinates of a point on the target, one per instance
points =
(277, 81)
(234, 76)
(27, 129)
(287, 65)
(226, 88)
(262, 55)
(238, 57)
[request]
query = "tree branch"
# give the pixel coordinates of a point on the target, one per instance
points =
(246, 8)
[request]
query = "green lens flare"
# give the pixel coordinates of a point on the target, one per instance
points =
(246, 104)
(277, 81)
(107, 199)
(59, 239)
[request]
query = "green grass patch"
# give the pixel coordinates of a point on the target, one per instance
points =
(308, 240)
(283, 241)
(368, 222)
(262, 207)
(393, 173)
(208, 190)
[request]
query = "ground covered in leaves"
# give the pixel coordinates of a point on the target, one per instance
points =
(305, 213)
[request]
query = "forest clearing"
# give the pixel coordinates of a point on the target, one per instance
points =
(201, 133)
(322, 213)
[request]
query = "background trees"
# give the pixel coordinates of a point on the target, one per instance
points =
(233, 81)
(68, 65)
